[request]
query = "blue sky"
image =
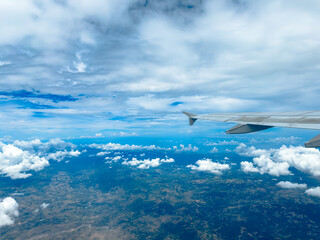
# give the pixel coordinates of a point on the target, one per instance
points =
(129, 67)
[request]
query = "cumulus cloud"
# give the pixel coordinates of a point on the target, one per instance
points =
(60, 155)
(248, 167)
(208, 166)
(114, 159)
(49, 149)
(290, 185)
(99, 154)
(38, 146)
(147, 163)
(313, 192)
(182, 148)
(16, 163)
(8, 211)
(118, 146)
(278, 161)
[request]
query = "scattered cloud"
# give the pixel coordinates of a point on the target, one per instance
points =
(16, 163)
(114, 159)
(117, 146)
(55, 149)
(290, 185)
(182, 148)
(37, 146)
(313, 192)
(214, 150)
(221, 143)
(8, 211)
(278, 161)
(208, 166)
(248, 167)
(99, 154)
(97, 135)
(44, 205)
(147, 163)
(61, 155)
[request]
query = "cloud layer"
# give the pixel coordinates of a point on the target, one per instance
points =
(129, 63)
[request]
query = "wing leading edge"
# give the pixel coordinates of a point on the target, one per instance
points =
(253, 122)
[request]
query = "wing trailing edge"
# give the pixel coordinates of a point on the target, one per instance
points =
(254, 122)
(246, 128)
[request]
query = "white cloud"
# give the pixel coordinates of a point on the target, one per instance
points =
(63, 19)
(60, 155)
(196, 58)
(114, 159)
(97, 135)
(214, 150)
(221, 143)
(277, 161)
(118, 146)
(208, 166)
(126, 134)
(147, 163)
(248, 167)
(99, 154)
(49, 149)
(313, 192)
(44, 205)
(290, 185)
(4, 63)
(16, 163)
(8, 210)
(150, 103)
(182, 148)
(74, 153)
(38, 146)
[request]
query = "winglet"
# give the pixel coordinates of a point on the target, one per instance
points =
(192, 118)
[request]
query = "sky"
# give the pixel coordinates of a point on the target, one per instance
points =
(129, 67)
(113, 77)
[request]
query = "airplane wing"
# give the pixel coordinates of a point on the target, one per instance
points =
(253, 122)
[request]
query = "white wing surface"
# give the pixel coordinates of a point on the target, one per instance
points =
(257, 121)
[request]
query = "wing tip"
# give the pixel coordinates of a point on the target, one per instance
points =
(191, 117)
